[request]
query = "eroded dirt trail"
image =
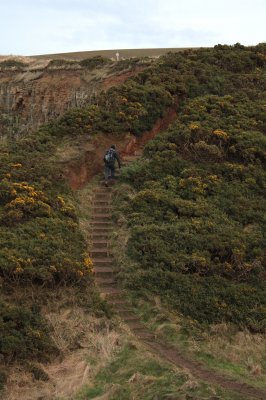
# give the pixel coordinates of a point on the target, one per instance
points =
(101, 253)
(85, 160)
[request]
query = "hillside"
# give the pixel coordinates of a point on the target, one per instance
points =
(33, 91)
(189, 242)
(123, 54)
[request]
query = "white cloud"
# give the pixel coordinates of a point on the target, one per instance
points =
(48, 26)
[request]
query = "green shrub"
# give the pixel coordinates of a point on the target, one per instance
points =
(14, 64)
(59, 63)
(37, 372)
(23, 334)
(197, 216)
(94, 62)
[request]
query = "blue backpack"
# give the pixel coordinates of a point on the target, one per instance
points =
(109, 157)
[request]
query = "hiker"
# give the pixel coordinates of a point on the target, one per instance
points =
(109, 164)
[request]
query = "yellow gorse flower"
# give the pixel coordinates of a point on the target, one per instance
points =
(19, 270)
(88, 264)
(193, 127)
(220, 134)
(18, 165)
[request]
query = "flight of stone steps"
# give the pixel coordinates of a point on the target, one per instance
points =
(101, 254)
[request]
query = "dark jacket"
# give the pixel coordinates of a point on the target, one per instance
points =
(115, 156)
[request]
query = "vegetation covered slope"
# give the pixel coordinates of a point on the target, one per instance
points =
(195, 217)
(40, 245)
(197, 213)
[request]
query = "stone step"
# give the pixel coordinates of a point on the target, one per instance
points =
(129, 317)
(101, 217)
(99, 253)
(103, 189)
(107, 282)
(111, 181)
(101, 224)
(135, 326)
(145, 335)
(102, 230)
(99, 227)
(95, 222)
(102, 196)
(103, 271)
(100, 244)
(101, 209)
(98, 236)
(101, 202)
(119, 302)
(104, 262)
(121, 309)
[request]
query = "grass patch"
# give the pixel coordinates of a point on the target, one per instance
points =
(136, 374)
(222, 347)
(91, 393)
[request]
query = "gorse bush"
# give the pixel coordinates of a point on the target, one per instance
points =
(40, 238)
(40, 242)
(94, 62)
(12, 64)
(63, 64)
(137, 104)
(23, 333)
(197, 230)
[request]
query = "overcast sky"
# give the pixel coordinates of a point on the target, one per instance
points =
(29, 27)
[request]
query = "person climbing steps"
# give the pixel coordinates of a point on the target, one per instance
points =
(109, 159)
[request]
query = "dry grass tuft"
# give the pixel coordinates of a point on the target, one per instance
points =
(87, 343)
(235, 347)
(141, 379)
(190, 384)
(24, 59)
(255, 370)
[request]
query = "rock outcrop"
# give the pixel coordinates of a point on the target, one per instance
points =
(31, 97)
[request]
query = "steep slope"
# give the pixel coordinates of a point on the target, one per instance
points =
(187, 238)
(35, 93)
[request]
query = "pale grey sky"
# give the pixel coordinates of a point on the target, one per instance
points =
(29, 27)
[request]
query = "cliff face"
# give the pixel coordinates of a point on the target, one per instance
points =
(31, 98)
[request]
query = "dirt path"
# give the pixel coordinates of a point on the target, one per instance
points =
(101, 230)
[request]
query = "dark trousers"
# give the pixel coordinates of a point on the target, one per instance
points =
(109, 172)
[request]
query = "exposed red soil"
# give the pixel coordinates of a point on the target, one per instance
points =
(79, 171)
(38, 96)
(90, 163)
(138, 143)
